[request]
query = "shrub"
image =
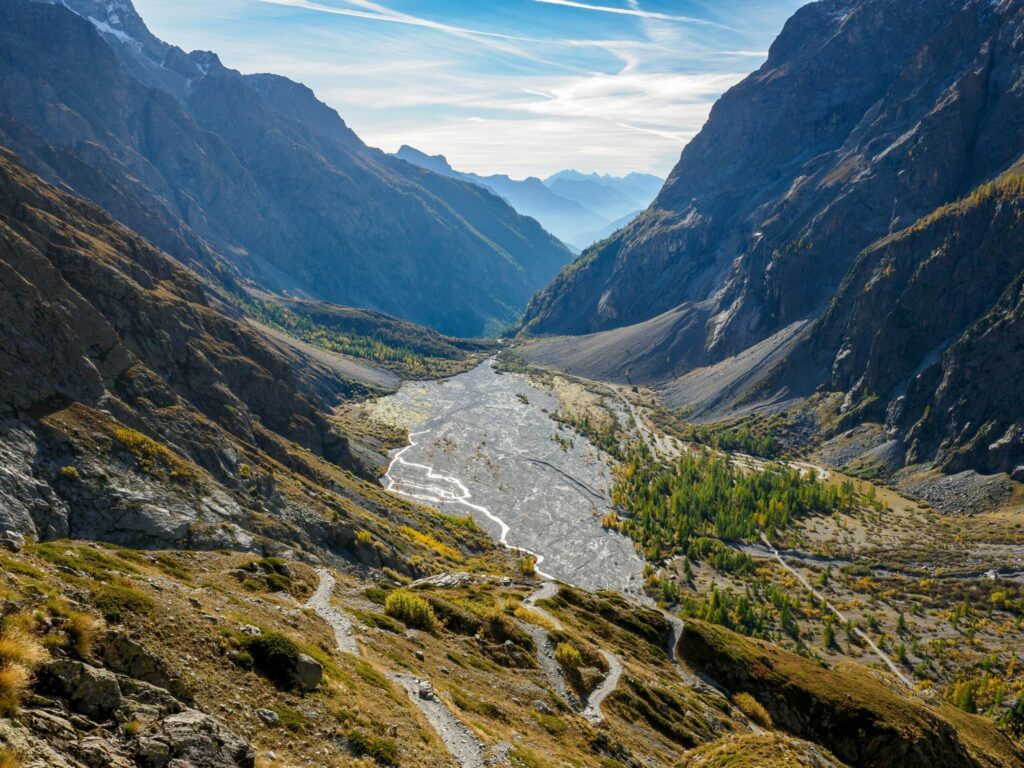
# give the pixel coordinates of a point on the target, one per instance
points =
(568, 656)
(117, 601)
(364, 538)
(69, 472)
(752, 708)
(411, 610)
(274, 656)
(81, 632)
(278, 583)
(291, 718)
(154, 458)
(526, 566)
(383, 750)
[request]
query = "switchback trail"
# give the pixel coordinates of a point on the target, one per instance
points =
(592, 711)
(320, 602)
(591, 708)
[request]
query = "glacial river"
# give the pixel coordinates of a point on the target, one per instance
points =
(483, 443)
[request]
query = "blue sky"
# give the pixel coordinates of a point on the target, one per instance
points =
(524, 87)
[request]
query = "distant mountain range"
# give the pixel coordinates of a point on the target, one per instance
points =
(252, 179)
(861, 243)
(579, 209)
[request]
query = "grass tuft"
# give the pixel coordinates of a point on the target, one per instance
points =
(411, 610)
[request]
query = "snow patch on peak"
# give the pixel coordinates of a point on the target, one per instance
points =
(120, 34)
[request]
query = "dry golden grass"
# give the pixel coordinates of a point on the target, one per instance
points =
(81, 629)
(9, 759)
(538, 619)
(752, 708)
(20, 653)
(19, 647)
(14, 679)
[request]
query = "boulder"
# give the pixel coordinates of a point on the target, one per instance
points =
(193, 738)
(124, 655)
(91, 691)
(12, 541)
(268, 717)
(308, 673)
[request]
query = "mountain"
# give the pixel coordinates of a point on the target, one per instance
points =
(565, 213)
(611, 196)
(253, 178)
(199, 566)
(172, 490)
(844, 222)
(114, 354)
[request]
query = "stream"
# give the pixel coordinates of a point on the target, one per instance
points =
(483, 443)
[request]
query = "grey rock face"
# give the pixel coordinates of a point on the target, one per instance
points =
(122, 654)
(195, 739)
(92, 691)
(87, 327)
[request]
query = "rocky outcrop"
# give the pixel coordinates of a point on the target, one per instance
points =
(70, 723)
(129, 657)
(193, 738)
(252, 176)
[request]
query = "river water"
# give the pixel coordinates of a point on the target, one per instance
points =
(483, 443)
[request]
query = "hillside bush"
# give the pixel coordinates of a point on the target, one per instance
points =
(411, 610)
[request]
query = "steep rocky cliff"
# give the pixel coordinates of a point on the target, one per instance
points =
(252, 176)
(808, 238)
(925, 334)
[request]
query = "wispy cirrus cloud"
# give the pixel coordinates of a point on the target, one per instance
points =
(499, 86)
(634, 10)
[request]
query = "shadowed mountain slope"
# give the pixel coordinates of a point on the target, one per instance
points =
(252, 177)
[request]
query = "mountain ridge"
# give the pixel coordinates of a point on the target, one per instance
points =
(253, 177)
(565, 211)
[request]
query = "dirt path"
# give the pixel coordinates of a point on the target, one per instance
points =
(611, 681)
(545, 647)
(591, 709)
(463, 745)
(838, 614)
(320, 602)
(552, 670)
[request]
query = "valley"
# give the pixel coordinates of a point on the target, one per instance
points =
(315, 454)
(875, 582)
